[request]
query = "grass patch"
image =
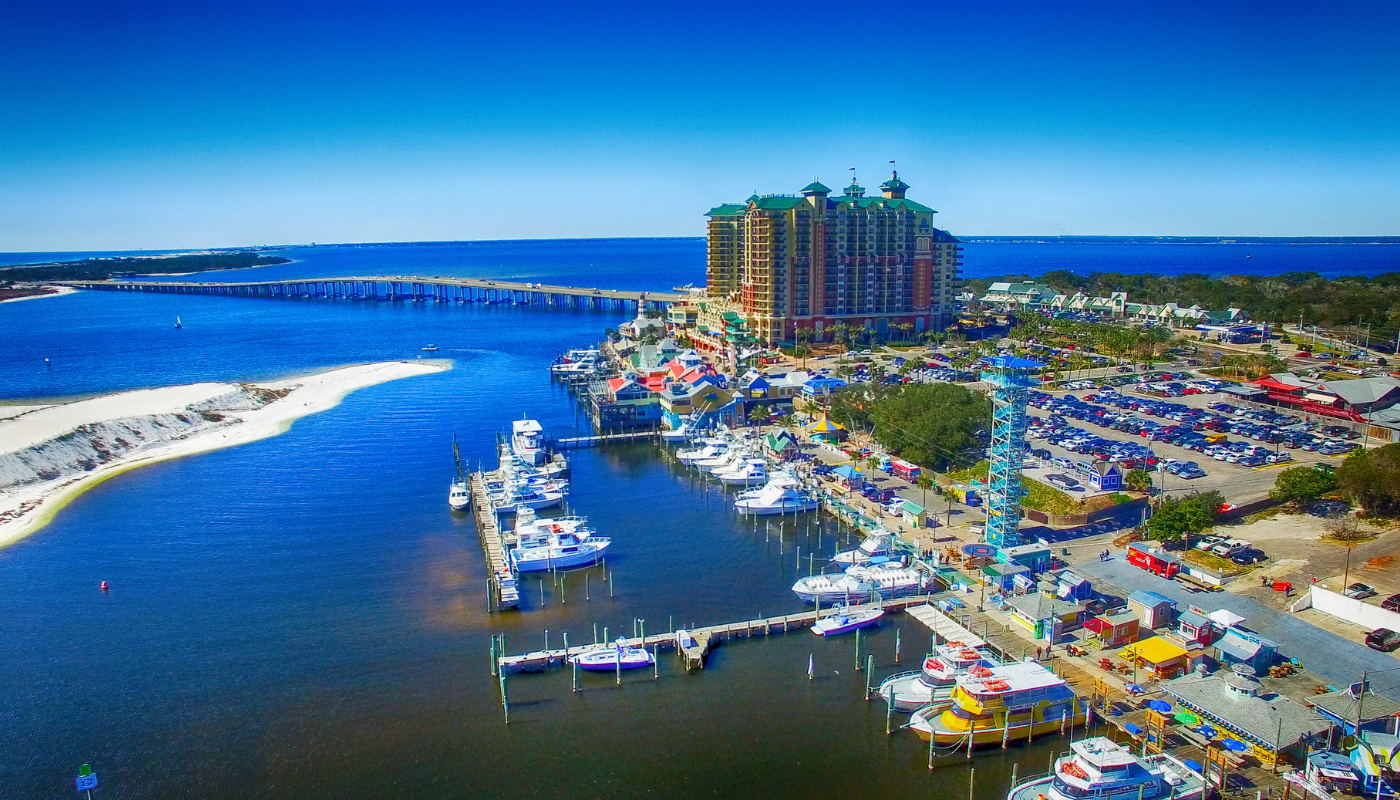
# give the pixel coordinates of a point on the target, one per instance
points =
(1043, 497)
(1221, 566)
(1270, 513)
(976, 472)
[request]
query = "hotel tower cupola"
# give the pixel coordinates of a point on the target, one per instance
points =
(894, 187)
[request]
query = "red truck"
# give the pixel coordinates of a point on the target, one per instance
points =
(1158, 562)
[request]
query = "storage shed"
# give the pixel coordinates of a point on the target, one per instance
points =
(1153, 610)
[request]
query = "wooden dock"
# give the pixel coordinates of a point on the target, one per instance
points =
(605, 438)
(504, 591)
(705, 637)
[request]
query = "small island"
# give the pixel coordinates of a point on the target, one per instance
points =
(29, 280)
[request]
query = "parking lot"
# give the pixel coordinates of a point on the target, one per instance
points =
(1234, 449)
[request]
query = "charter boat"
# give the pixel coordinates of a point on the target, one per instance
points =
(782, 494)
(527, 442)
(677, 434)
(459, 497)
(561, 543)
(1102, 769)
(1010, 702)
(749, 472)
(618, 655)
(708, 449)
(846, 620)
(582, 365)
(516, 496)
(934, 682)
(878, 542)
(863, 584)
(724, 461)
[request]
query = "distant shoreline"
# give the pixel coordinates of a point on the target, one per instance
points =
(28, 426)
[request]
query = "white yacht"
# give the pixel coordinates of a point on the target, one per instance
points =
(584, 365)
(934, 683)
(679, 434)
(561, 543)
(749, 472)
(878, 542)
(708, 449)
(783, 494)
(458, 497)
(724, 463)
(527, 442)
(863, 584)
(1102, 769)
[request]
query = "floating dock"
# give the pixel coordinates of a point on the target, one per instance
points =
(504, 591)
(704, 636)
(604, 438)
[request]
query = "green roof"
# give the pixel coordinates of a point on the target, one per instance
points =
(815, 187)
(726, 210)
(777, 202)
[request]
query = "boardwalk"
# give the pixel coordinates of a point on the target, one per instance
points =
(704, 636)
(503, 589)
(590, 441)
(406, 288)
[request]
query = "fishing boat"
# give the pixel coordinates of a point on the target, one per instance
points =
(863, 584)
(614, 656)
(748, 472)
(935, 681)
(430, 348)
(1098, 767)
(708, 449)
(578, 363)
(178, 323)
(561, 543)
(724, 461)
(459, 498)
(847, 620)
(527, 442)
(514, 496)
(1010, 702)
(878, 542)
(783, 494)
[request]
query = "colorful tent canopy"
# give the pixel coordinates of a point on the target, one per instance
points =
(824, 425)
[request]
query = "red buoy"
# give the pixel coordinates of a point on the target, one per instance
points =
(104, 586)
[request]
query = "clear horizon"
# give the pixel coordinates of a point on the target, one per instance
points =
(171, 127)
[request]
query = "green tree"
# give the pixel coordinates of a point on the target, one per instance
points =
(1137, 480)
(1176, 517)
(930, 424)
(1302, 484)
(1371, 479)
(925, 482)
(758, 414)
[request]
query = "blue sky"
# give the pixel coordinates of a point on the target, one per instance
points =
(148, 125)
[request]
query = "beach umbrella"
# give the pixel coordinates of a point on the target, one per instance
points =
(1133, 688)
(1235, 745)
(1206, 730)
(1187, 718)
(1159, 705)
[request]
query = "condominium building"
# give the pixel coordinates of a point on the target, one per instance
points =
(813, 260)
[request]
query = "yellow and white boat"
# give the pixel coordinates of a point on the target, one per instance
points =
(1011, 702)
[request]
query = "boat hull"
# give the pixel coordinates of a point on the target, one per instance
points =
(907, 694)
(608, 660)
(531, 563)
(748, 509)
(1017, 732)
(837, 624)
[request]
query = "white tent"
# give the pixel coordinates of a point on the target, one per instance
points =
(1225, 618)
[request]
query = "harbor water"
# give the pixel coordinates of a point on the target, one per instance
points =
(303, 616)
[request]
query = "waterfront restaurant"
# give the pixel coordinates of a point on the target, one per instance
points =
(1269, 724)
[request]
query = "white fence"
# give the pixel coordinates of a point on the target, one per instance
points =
(1342, 607)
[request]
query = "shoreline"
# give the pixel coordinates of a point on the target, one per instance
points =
(59, 291)
(28, 508)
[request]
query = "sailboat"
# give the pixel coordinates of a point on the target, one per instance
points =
(458, 496)
(178, 323)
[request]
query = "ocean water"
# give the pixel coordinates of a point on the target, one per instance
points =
(304, 616)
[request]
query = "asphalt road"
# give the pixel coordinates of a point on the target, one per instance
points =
(1338, 660)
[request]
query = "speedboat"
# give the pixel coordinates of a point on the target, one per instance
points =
(458, 497)
(708, 449)
(933, 684)
(863, 584)
(879, 542)
(527, 442)
(611, 657)
(749, 472)
(722, 462)
(516, 497)
(431, 348)
(563, 543)
(675, 435)
(1101, 768)
(582, 366)
(847, 620)
(781, 495)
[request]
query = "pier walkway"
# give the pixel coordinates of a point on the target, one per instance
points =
(704, 637)
(404, 288)
(503, 589)
(589, 441)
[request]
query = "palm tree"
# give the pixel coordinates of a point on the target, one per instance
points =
(758, 414)
(925, 482)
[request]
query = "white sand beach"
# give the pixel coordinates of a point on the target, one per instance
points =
(62, 290)
(49, 454)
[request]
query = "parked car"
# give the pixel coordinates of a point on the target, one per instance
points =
(1359, 591)
(1207, 542)
(1248, 556)
(1391, 603)
(1383, 639)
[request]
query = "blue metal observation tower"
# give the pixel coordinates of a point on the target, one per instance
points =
(1012, 381)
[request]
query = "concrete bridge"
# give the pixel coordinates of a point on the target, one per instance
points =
(405, 288)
